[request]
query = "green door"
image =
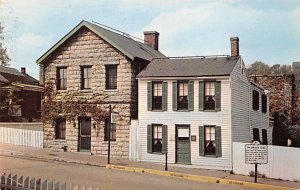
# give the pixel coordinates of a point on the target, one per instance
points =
(183, 144)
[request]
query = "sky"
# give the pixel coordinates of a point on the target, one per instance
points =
(268, 30)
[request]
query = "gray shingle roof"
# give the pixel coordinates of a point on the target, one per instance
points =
(131, 48)
(10, 70)
(189, 67)
(8, 74)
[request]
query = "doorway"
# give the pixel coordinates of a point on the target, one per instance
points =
(183, 144)
(84, 134)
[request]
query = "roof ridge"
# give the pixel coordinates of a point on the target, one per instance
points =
(194, 57)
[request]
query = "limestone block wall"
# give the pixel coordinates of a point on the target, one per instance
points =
(85, 48)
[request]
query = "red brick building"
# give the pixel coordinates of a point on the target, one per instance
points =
(24, 103)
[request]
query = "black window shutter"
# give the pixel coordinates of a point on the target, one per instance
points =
(191, 95)
(149, 138)
(201, 140)
(201, 95)
(218, 95)
(165, 96)
(149, 96)
(174, 96)
(218, 141)
(164, 139)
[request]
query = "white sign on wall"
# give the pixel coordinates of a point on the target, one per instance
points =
(113, 118)
(183, 133)
(256, 154)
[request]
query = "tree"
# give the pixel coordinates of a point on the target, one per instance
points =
(285, 69)
(280, 129)
(275, 69)
(259, 68)
(4, 58)
(294, 135)
(296, 71)
(9, 99)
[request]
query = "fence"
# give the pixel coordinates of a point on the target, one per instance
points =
(25, 134)
(13, 182)
(283, 162)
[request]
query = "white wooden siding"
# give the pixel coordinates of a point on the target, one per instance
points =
(244, 118)
(258, 119)
(240, 104)
(194, 119)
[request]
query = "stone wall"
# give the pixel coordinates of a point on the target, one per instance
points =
(282, 93)
(86, 48)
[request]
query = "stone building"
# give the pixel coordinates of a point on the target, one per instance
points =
(89, 69)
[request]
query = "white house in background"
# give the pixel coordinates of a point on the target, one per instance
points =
(194, 108)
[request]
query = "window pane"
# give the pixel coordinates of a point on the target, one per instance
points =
(60, 129)
(207, 137)
(212, 130)
(210, 145)
(157, 89)
(209, 88)
(155, 131)
(207, 129)
(111, 77)
(157, 138)
(183, 89)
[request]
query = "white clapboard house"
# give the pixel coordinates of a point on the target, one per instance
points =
(194, 108)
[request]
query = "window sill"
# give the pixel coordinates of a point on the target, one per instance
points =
(111, 141)
(111, 90)
(211, 156)
(183, 110)
(157, 110)
(59, 91)
(211, 110)
(86, 90)
(157, 153)
(60, 140)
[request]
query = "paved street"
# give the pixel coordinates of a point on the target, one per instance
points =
(98, 176)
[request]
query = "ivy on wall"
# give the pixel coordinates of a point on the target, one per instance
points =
(70, 108)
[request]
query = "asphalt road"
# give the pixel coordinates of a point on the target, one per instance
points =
(101, 177)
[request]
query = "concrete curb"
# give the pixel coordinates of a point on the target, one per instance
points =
(185, 176)
(198, 178)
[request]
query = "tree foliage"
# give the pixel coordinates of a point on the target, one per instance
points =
(294, 135)
(280, 129)
(260, 68)
(9, 99)
(4, 58)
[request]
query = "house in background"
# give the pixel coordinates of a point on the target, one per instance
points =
(195, 108)
(89, 69)
(20, 96)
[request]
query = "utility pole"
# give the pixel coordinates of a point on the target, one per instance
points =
(109, 125)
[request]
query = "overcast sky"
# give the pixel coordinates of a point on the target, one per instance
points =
(269, 31)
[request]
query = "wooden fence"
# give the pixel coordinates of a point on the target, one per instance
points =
(13, 182)
(22, 134)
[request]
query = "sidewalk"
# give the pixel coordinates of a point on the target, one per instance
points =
(211, 176)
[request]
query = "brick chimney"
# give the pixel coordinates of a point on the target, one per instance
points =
(234, 41)
(23, 70)
(151, 39)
